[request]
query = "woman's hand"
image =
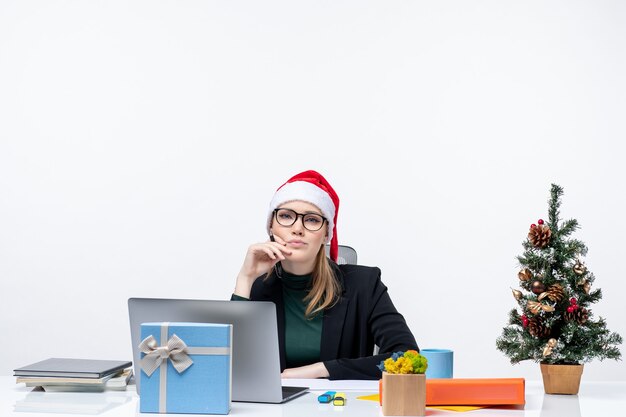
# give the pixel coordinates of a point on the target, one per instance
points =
(315, 370)
(260, 258)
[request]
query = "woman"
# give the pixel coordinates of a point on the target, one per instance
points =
(329, 316)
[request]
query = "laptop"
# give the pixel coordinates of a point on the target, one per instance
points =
(256, 359)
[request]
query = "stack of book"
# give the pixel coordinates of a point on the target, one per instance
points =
(67, 374)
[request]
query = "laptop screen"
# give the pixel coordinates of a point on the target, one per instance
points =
(256, 360)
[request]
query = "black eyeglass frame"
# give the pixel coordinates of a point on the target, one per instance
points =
(302, 216)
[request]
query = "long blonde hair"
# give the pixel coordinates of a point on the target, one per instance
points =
(325, 289)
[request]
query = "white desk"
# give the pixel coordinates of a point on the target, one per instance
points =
(595, 399)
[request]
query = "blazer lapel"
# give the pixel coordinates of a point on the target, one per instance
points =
(332, 329)
(333, 322)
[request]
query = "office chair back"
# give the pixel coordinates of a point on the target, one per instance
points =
(345, 255)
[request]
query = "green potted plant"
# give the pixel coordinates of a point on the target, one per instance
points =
(553, 323)
(404, 384)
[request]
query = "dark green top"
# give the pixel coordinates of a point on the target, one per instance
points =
(303, 335)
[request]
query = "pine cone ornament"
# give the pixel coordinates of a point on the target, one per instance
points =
(579, 315)
(539, 235)
(537, 328)
(554, 293)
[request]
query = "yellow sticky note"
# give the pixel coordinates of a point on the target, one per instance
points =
(459, 408)
(373, 397)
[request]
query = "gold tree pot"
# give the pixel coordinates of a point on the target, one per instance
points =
(561, 379)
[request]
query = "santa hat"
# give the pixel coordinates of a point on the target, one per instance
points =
(312, 187)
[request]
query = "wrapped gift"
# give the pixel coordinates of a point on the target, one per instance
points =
(186, 368)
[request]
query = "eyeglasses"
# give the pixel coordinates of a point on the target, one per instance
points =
(311, 221)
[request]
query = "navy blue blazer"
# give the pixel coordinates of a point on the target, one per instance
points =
(363, 316)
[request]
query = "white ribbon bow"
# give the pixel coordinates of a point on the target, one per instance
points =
(175, 349)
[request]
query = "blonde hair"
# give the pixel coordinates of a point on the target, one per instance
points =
(325, 289)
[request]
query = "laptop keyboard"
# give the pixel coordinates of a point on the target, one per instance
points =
(289, 391)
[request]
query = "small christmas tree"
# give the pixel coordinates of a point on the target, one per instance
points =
(554, 324)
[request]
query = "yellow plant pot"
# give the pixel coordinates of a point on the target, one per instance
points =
(404, 394)
(561, 379)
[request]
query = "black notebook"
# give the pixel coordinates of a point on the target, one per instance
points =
(75, 368)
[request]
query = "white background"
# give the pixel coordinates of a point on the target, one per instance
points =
(141, 142)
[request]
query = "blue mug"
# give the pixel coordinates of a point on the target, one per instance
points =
(440, 362)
